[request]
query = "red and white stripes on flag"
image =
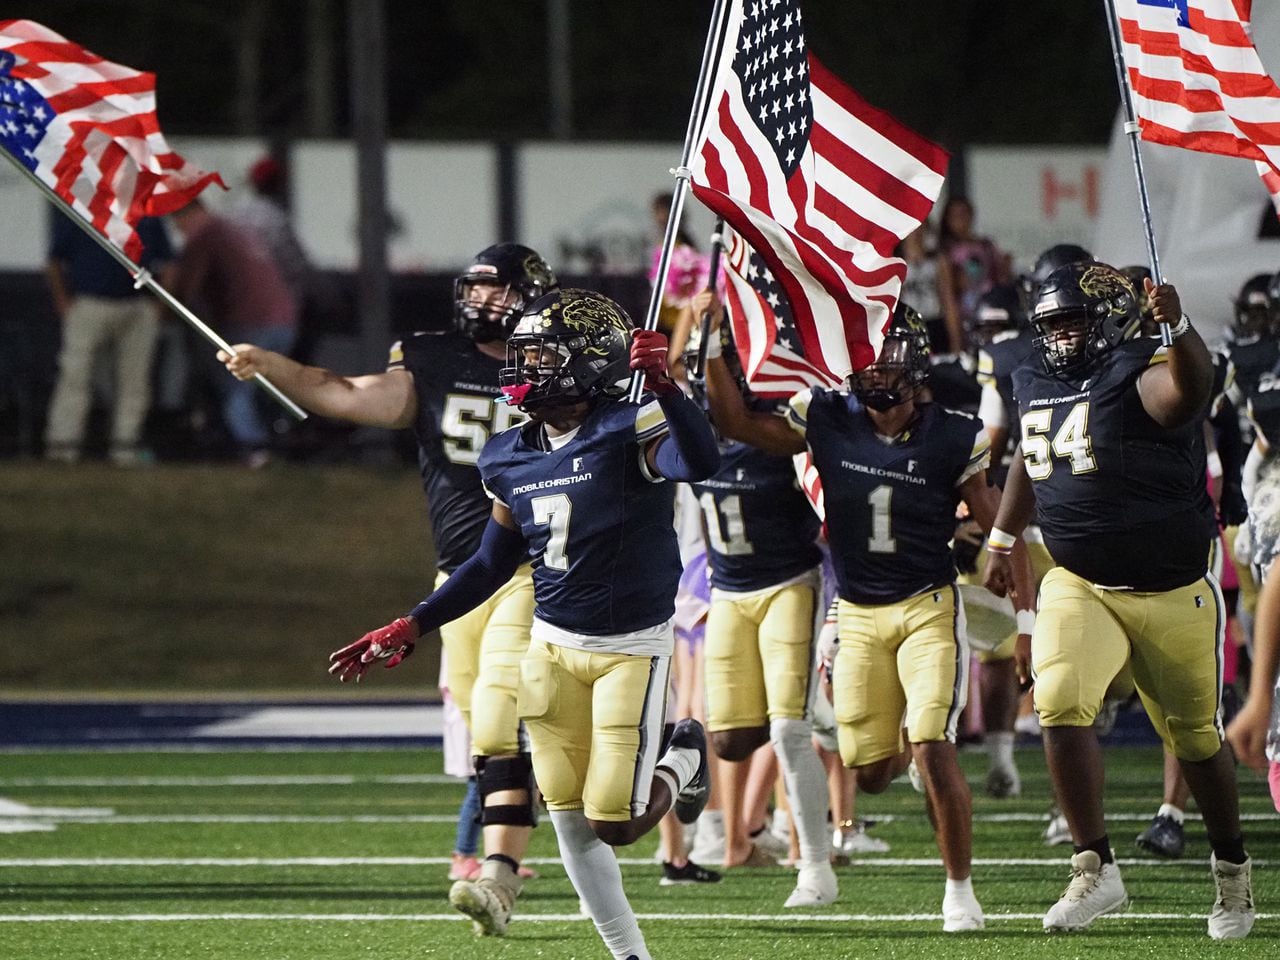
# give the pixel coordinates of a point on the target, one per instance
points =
(821, 184)
(88, 128)
(759, 315)
(1198, 81)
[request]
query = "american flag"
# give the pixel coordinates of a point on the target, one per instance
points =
(764, 330)
(87, 127)
(821, 184)
(1198, 81)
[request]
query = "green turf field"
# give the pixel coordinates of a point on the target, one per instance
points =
(319, 855)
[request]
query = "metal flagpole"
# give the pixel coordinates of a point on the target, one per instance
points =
(1133, 132)
(142, 278)
(713, 275)
(710, 56)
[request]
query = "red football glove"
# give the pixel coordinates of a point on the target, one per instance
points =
(392, 643)
(649, 355)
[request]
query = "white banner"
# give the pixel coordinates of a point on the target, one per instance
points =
(1029, 198)
(442, 200)
(587, 207)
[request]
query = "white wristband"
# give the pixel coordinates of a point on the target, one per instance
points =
(1026, 620)
(1000, 541)
(1214, 463)
(1179, 328)
(714, 347)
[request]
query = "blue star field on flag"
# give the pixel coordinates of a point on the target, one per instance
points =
(24, 114)
(772, 64)
(770, 290)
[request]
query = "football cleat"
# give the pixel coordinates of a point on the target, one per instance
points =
(1164, 837)
(489, 900)
(1095, 889)
(691, 800)
(851, 839)
(1003, 782)
(1057, 831)
(961, 912)
(673, 876)
(1232, 915)
(816, 886)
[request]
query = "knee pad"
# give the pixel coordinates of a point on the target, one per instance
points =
(790, 737)
(496, 774)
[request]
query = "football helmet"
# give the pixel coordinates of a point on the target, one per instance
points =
(1000, 309)
(570, 345)
(1083, 310)
(1059, 255)
(491, 294)
(1254, 306)
(901, 367)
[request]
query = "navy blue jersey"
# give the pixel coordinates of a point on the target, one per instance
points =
(599, 525)
(891, 506)
(1252, 358)
(1121, 500)
(996, 362)
(458, 410)
(760, 528)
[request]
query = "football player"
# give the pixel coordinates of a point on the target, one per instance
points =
(766, 582)
(893, 471)
(1112, 463)
(444, 385)
(580, 488)
(1251, 342)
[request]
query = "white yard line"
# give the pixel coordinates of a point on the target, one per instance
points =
(1055, 863)
(527, 918)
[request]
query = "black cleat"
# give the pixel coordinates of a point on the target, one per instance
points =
(673, 876)
(690, 801)
(1163, 837)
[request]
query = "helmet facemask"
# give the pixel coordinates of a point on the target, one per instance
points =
(894, 378)
(1062, 340)
(485, 309)
(539, 372)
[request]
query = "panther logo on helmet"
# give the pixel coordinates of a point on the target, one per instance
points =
(1082, 311)
(570, 346)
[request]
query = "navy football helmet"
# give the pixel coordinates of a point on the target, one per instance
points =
(1082, 311)
(570, 345)
(901, 367)
(1254, 306)
(1000, 309)
(491, 294)
(1059, 255)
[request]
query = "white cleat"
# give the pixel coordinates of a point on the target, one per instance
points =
(1058, 831)
(1003, 782)
(774, 847)
(487, 902)
(961, 913)
(851, 839)
(816, 886)
(914, 775)
(1232, 914)
(1095, 889)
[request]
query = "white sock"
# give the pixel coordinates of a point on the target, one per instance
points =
(960, 888)
(1000, 748)
(1169, 810)
(672, 787)
(593, 870)
(806, 781)
(683, 762)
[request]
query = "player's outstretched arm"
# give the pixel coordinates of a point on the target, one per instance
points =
(1247, 732)
(375, 400)
(1176, 392)
(689, 452)
(502, 550)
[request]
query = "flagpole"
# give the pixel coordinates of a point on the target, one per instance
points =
(143, 278)
(1133, 132)
(710, 58)
(713, 276)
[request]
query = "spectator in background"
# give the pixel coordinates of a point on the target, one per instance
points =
(226, 274)
(928, 279)
(976, 263)
(265, 213)
(99, 306)
(687, 273)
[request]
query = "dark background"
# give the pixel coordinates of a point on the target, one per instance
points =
(959, 71)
